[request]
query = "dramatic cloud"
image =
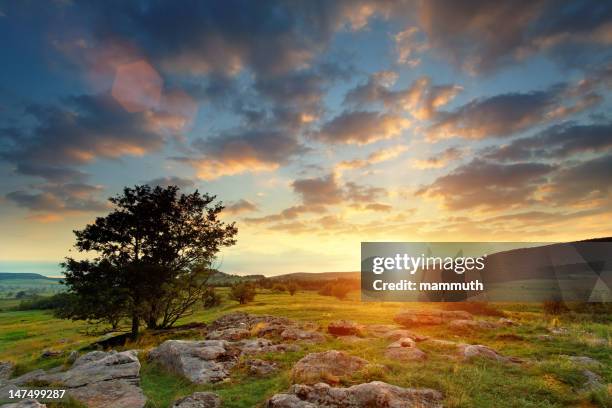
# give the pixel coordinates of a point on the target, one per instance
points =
(490, 186)
(559, 141)
(506, 114)
(408, 45)
(240, 206)
(439, 160)
(421, 99)
(587, 182)
(238, 151)
(319, 191)
(86, 128)
(378, 156)
(483, 36)
(361, 127)
(180, 182)
(51, 202)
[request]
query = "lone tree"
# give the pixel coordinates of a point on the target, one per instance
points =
(155, 252)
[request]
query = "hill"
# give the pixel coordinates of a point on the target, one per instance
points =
(320, 276)
(25, 276)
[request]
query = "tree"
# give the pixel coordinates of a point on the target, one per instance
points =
(292, 288)
(242, 293)
(157, 249)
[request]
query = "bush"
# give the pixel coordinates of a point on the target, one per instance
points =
(210, 298)
(292, 288)
(242, 293)
(555, 307)
(340, 290)
(279, 287)
(326, 290)
(44, 303)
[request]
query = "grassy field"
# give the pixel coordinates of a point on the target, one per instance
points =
(547, 380)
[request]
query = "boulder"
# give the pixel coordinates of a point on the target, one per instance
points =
(29, 403)
(232, 334)
(200, 362)
(343, 328)
(72, 357)
(403, 333)
(294, 333)
(327, 366)
(255, 346)
(104, 394)
(261, 368)
(372, 394)
(405, 349)
(199, 400)
(469, 351)
(461, 324)
(6, 370)
(411, 318)
(257, 325)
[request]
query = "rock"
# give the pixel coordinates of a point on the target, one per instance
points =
(72, 357)
(461, 324)
(558, 331)
(29, 403)
(327, 366)
(444, 343)
(6, 370)
(410, 318)
(51, 353)
(199, 400)
(373, 394)
(593, 381)
(469, 351)
(200, 362)
(343, 328)
(380, 330)
(405, 349)
(504, 321)
(261, 368)
(293, 333)
(257, 325)
(256, 346)
(104, 394)
(232, 334)
(584, 361)
(403, 333)
(32, 376)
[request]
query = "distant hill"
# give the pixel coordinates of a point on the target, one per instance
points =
(318, 276)
(4, 276)
(226, 279)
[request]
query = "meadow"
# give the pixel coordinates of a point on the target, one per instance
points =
(548, 379)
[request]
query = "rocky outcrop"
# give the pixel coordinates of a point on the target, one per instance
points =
(411, 318)
(261, 368)
(344, 328)
(373, 394)
(328, 366)
(231, 333)
(201, 362)
(256, 325)
(199, 400)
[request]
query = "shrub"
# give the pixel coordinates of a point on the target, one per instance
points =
(44, 303)
(242, 293)
(326, 290)
(279, 287)
(554, 307)
(340, 290)
(292, 288)
(210, 298)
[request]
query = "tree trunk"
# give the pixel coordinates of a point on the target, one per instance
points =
(135, 326)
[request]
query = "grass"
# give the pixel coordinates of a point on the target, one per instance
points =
(548, 380)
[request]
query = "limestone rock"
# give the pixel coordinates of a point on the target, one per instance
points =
(405, 349)
(261, 368)
(29, 403)
(294, 333)
(6, 370)
(403, 333)
(327, 366)
(468, 351)
(199, 400)
(373, 394)
(200, 362)
(231, 333)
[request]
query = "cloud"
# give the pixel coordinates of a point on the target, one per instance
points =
(587, 182)
(439, 160)
(319, 191)
(556, 142)
(242, 150)
(51, 202)
(506, 114)
(489, 186)
(472, 37)
(240, 206)
(83, 129)
(407, 45)
(421, 99)
(376, 157)
(361, 127)
(287, 214)
(180, 182)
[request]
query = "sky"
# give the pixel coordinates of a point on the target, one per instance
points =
(319, 124)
